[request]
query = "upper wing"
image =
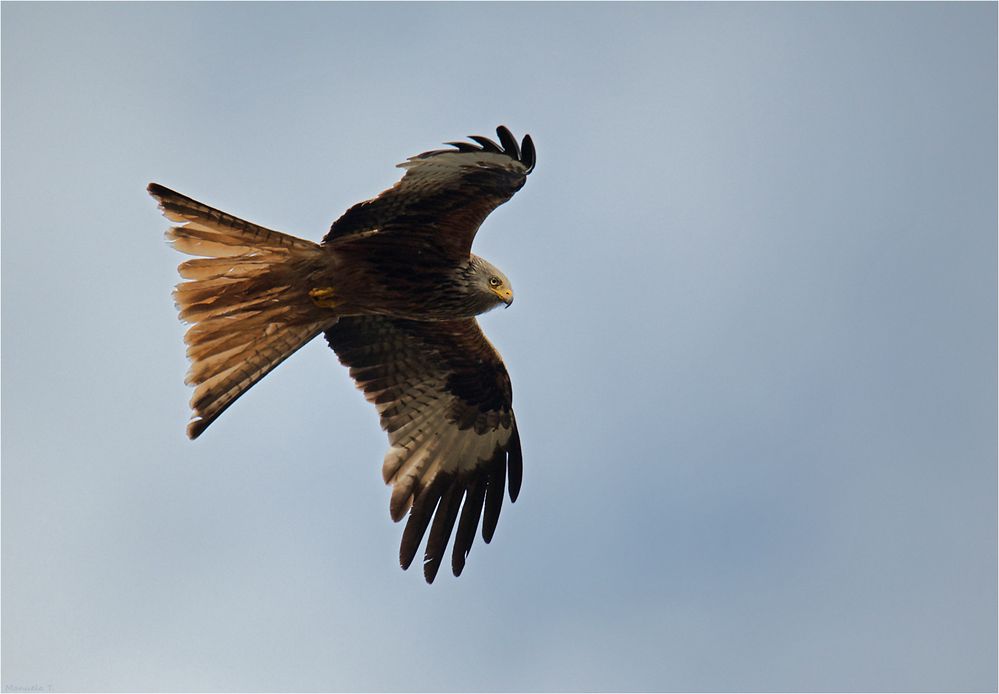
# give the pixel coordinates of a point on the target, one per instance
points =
(444, 398)
(445, 193)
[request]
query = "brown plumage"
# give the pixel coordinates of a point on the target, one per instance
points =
(395, 289)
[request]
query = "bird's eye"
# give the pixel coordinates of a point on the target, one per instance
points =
(494, 282)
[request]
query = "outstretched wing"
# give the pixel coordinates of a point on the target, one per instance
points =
(444, 398)
(445, 194)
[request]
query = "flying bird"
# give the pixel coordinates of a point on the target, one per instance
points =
(394, 288)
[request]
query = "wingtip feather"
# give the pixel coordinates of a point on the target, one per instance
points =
(528, 153)
(524, 153)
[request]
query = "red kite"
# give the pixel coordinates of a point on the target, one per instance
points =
(395, 289)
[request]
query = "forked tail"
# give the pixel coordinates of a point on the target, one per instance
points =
(246, 298)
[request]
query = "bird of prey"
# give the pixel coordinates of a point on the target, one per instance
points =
(395, 289)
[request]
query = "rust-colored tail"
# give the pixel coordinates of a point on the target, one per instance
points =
(246, 298)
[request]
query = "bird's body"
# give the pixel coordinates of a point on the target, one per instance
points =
(395, 289)
(365, 280)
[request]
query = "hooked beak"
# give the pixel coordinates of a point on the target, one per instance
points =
(505, 295)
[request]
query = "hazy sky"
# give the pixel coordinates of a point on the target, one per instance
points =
(753, 350)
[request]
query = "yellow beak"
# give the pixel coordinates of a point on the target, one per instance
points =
(505, 295)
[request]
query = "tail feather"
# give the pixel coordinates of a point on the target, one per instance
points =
(246, 299)
(240, 371)
(206, 308)
(212, 346)
(220, 269)
(216, 227)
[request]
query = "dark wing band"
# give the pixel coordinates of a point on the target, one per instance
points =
(446, 193)
(444, 398)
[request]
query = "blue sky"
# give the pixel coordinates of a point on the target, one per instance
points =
(753, 350)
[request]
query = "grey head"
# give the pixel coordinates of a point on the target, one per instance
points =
(488, 286)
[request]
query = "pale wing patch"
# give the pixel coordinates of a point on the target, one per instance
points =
(435, 445)
(447, 167)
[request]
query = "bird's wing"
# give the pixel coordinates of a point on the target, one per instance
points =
(445, 400)
(445, 194)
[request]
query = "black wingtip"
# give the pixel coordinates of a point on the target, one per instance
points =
(527, 153)
(515, 465)
(420, 516)
(159, 192)
(509, 142)
(495, 489)
(487, 144)
(464, 146)
(468, 524)
(523, 153)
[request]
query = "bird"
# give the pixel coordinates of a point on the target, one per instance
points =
(395, 289)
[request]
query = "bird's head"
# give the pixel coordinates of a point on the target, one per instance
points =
(490, 286)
